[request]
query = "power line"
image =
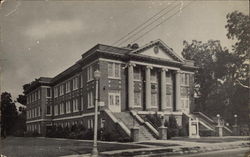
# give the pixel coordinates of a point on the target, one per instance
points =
(141, 25)
(149, 24)
(159, 23)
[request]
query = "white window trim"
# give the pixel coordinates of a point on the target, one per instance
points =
(47, 92)
(113, 71)
(90, 74)
(114, 94)
(68, 90)
(139, 76)
(75, 105)
(91, 100)
(68, 107)
(61, 109)
(139, 100)
(56, 92)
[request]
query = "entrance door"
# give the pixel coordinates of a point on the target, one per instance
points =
(114, 101)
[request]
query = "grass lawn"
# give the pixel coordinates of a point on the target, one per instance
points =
(49, 147)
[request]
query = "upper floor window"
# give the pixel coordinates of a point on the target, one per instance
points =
(39, 111)
(48, 92)
(49, 109)
(89, 73)
(75, 83)
(67, 86)
(28, 99)
(153, 76)
(61, 87)
(168, 78)
(185, 79)
(75, 105)
(90, 99)
(68, 107)
(62, 108)
(82, 103)
(81, 81)
(39, 94)
(114, 70)
(137, 73)
(55, 110)
(55, 92)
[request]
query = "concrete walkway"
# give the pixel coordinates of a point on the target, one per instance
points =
(174, 147)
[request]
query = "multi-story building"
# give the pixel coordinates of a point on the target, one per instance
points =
(141, 80)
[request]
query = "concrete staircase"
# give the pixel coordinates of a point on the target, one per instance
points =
(207, 124)
(130, 122)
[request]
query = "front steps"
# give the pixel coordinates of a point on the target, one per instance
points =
(130, 122)
(208, 126)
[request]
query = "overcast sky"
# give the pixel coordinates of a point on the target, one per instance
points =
(43, 38)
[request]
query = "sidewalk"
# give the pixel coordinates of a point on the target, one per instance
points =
(176, 147)
(184, 148)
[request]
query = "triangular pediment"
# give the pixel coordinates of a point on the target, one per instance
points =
(158, 49)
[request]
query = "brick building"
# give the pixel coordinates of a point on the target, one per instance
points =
(134, 82)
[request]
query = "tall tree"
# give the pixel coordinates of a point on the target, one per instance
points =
(9, 114)
(238, 26)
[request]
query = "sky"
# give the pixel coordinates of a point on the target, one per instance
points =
(43, 38)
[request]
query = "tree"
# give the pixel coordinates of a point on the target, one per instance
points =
(22, 99)
(238, 26)
(222, 80)
(9, 114)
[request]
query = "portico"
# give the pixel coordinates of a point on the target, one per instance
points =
(160, 87)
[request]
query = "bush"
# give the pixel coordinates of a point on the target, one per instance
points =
(173, 128)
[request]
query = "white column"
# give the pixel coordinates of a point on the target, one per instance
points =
(131, 86)
(148, 88)
(177, 91)
(163, 89)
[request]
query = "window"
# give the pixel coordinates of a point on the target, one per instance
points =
(75, 83)
(48, 93)
(28, 99)
(56, 110)
(39, 94)
(114, 98)
(62, 108)
(185, 103)
(55, 92)
(48, 109)
(61, 89)
(154, 99)
(67, 86)
(153, 76)
(137, 97)
(68, 108)
(114, 70)
(75, 105)
(82, 103)
(137, 74)
(185, 79)
(89, 73)
(168, 78)
(39, 111)
(81, 81)
(90, 123)
(169, 100)
(90, 99)
(35, 112)
(35, 95)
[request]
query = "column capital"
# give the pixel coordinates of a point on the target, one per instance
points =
(177, 72)
(149, 67)
(131, 64)
(164, 69)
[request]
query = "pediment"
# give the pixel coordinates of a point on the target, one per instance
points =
(158, 49)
